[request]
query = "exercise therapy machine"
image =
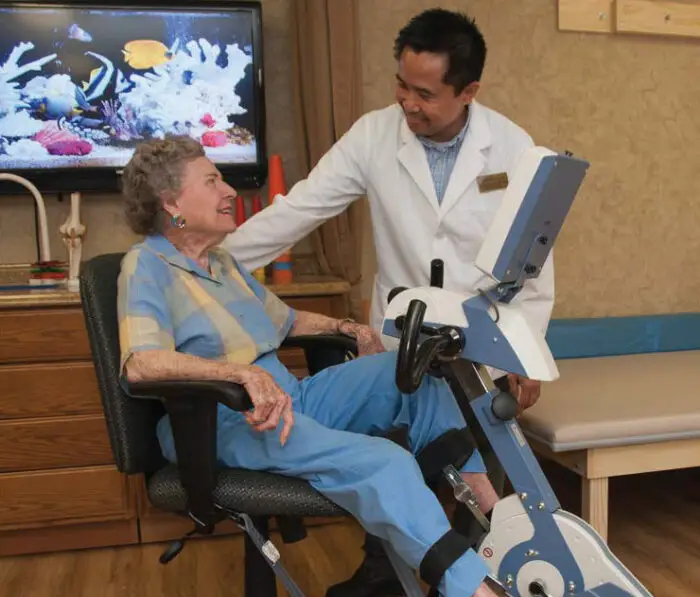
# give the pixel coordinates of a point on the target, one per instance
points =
(532, 547)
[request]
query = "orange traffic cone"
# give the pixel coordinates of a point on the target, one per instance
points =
(258, 274)
(240, 211)
(282, 266)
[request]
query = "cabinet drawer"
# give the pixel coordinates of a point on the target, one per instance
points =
(43, 335)
(294, 360)
(48, 390)
(51, 443)
(333, 306)
(63, 497)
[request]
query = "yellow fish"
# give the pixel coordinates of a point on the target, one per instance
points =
(145, 53)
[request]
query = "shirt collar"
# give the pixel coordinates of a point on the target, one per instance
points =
(456, 140)
(160, 245)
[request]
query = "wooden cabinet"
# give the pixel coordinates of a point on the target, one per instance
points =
(59, 486)
(58, 483)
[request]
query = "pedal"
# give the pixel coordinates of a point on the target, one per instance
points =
(464, 494)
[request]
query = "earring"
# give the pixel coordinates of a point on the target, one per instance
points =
(178, 221)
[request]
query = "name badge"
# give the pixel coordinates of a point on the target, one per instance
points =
(492, 182)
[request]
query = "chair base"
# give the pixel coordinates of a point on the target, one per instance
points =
(262, 560)
(259, 577)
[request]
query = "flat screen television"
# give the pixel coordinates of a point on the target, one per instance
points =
(82, 83)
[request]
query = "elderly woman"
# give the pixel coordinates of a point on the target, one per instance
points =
(187, 310)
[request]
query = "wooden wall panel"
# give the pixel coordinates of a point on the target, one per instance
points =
(596, 16)
(652, 17)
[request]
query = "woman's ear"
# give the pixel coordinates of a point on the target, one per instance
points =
(169, 204)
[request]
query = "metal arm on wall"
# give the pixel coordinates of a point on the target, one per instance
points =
(44, 247)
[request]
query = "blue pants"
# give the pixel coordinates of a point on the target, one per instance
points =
(331, 446)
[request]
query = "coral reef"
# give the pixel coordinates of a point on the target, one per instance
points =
(14, 121)
(191, 83)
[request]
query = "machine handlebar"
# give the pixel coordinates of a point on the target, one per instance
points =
(414, 359)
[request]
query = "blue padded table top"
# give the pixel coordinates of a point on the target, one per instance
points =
(609, 336)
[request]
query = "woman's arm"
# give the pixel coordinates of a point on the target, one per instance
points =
(155, 365)
(309, 324)
(270, 402)
(306, 323)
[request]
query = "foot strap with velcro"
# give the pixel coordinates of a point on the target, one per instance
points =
(441, 555)
(453, 447)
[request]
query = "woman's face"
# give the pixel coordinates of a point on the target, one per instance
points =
(205, 200)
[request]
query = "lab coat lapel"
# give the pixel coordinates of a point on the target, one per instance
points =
(412, 156)
(470, 161)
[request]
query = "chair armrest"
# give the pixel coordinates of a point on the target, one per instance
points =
(192, 407)
(322, 341)
(323, 350)
(230, 394)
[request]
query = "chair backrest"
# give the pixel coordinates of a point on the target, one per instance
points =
(131, 422)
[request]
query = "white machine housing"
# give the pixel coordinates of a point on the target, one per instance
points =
(495, 242)
(516, 246)
(447, 308)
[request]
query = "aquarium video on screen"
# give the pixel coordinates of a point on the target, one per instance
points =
(82, 87)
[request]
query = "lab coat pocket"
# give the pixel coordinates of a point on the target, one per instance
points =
(483, 208)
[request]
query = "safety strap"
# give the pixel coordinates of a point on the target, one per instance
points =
(441, 555)
(268, 551)
(453, 447)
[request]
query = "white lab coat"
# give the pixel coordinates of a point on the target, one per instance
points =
(381, 158)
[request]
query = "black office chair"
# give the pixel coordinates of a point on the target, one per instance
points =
(197, 486)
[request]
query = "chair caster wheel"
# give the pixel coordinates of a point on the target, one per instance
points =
(172, 552)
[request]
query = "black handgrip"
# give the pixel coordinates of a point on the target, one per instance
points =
(437, 273)
(408, 345)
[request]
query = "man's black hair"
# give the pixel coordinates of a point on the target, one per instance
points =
(453, 34)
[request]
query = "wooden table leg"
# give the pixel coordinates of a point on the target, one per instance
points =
(595, 504)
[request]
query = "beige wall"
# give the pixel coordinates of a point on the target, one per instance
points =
(628, 104)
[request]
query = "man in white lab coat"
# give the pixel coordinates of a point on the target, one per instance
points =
(434, 167)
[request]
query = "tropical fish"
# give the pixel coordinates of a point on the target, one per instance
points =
(57, 97)
(75, 32)
(146, 53)
(94, 73)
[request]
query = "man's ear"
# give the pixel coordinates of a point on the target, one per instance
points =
(469, 93)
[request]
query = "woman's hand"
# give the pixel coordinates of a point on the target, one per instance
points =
(270, 402)
(368, 340)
